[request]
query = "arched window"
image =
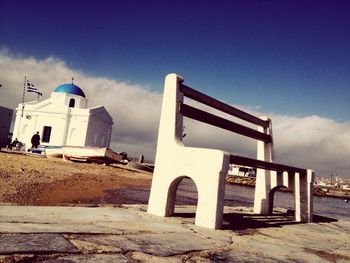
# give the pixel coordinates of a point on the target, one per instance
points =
(71, 103)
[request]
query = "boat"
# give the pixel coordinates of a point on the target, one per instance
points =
(91, 154)
(36, 151)
(140, 166)
(54, 151)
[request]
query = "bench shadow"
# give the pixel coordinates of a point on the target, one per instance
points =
(235, 220)
(241, 221)
(323, 219)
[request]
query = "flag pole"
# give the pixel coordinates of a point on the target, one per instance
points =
(24, 93)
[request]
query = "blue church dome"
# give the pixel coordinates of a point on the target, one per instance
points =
(71, 89)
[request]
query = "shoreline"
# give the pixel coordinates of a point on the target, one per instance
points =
(250, 181)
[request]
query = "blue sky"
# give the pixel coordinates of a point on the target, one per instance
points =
(286, 57)
(289, 60)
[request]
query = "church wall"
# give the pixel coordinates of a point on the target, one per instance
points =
(76, 133)
(31, 122)
(59, 98)
(66, 120)
(80, 102)
(57, 123)
(99, 133)
(64, 99)
(66, 129)
(24, 127)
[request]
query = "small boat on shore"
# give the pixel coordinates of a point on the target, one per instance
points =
(53, 151)
(91, 154)
(141, 166)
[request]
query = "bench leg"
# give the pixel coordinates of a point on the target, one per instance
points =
(210, 205)
(209, 178)
(304, 196)
(262, 192)
(162, 196)
(262, 202)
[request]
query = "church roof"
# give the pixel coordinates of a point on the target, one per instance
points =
(71, 89)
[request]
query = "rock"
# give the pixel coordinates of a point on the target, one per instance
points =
(94, 258)
(167, 244)
(142, 257)
(35, 243)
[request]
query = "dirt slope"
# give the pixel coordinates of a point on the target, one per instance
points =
(27, 180)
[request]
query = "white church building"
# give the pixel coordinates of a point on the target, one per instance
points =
(63, 119)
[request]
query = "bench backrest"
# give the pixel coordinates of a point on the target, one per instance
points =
(223, 123)
(174, 106)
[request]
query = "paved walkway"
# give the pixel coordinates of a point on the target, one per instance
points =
(129, 234)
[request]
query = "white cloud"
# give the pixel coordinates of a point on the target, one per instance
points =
(135, 109)
(312, 141)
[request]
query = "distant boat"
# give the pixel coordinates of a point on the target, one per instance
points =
(141, 166)
(91, 154)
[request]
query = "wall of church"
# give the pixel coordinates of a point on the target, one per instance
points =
(64, 99)
(63, 119)
(76, 132)
(55, 123)
(99, 133)
(64, 129)
(24, 128)
(79, 102)
(31, 122)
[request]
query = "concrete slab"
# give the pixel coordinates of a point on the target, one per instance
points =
(301, 242)
(282, 251)
(95, 258)
(143, 257)
(115, 220)
(51, 227)
(87, 246)
(167, 244)
(111, 234)
(39, 243)
(333, 238)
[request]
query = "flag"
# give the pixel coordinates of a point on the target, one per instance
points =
(32, 88)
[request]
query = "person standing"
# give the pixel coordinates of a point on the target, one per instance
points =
(35, 140)
(14, 144)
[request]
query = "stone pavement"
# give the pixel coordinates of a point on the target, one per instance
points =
(129, 234)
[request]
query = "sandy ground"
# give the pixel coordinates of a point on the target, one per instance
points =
(28, 180)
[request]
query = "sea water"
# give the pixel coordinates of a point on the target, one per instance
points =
(239, 195)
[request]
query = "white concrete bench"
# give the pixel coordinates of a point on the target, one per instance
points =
(208, 167)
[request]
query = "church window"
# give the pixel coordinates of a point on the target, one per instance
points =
(47, 134)
(71, 103)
